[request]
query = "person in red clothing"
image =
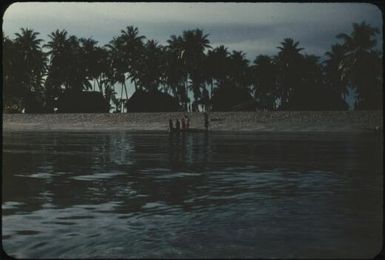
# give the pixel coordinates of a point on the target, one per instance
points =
(187, 120)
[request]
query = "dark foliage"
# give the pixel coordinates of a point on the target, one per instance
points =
(317, 98)
(362, 65)
(264, 77)
(34, 104)
(82, 102)
(153, 101)
(229, 98)
(190, 70)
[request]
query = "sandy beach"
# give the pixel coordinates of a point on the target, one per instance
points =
(264, 121)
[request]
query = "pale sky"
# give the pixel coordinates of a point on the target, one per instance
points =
(255, 28)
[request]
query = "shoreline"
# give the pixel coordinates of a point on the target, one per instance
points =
(220, 122)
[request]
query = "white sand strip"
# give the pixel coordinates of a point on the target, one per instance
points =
(279, 121)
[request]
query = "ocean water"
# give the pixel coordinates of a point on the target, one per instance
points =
(131, 194)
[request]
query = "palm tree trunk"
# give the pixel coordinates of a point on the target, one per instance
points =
(185, 94)
(121, 92)
(125, 90)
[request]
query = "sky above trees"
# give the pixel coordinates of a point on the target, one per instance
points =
(255, 28)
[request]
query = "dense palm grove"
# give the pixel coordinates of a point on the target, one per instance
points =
(71, 74)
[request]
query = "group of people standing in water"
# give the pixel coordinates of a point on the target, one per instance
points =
(184, 123)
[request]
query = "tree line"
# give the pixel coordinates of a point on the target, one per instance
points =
(36, 74)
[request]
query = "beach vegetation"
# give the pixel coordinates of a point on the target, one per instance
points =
(186, 74)
(361, 65)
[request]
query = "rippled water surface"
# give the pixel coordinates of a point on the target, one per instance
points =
(121, 194)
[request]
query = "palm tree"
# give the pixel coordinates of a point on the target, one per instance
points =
(217, 66)
(175, 71)
(310, 82)
(239, 71)
(334, 75)
(361, 39)
(289, 51)
(118, 69)
(89, 59)
(195, 43)
(57, 51)
(150, 67)
(288, 61)
(191, 48)
(361, 65)
(265, 81)
(71, 67)
(131, 48)
(96, 67)
(117, 64)
(58, 63)
(101, 68)
(77, 77)
(12, 89)
(126, 52)
(30, 67)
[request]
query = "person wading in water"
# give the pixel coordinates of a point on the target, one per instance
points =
(206, 121)
(177, 125)
(183, 123)
(170, 126)
(187, 121)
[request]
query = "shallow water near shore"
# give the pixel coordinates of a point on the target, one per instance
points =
(131, 194)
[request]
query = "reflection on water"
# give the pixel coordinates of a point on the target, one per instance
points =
(120, 194)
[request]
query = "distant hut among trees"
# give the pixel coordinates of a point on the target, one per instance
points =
(232, 99)
(155, 101)
(82, 102)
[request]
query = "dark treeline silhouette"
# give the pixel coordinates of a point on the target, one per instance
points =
(71, 74)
